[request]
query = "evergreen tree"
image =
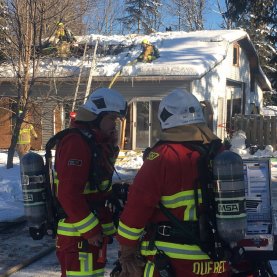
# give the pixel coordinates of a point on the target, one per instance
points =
(259, 19)
(141, 15)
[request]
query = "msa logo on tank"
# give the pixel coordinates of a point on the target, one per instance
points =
(31, 198)
(228, 208)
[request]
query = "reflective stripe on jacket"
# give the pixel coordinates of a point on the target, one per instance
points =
(175, 251)
(168, 175)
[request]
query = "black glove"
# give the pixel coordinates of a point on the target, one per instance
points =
(117, 200)
(117, 269)
(120, 191)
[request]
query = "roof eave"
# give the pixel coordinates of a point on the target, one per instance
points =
(260, 76)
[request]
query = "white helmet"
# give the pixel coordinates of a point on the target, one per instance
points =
(102, 100)
(180, 108)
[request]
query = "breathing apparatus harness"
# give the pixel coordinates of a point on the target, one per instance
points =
(202, 232)
(96, 150)
(98, 173)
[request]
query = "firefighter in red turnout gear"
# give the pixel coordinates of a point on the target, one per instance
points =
(168, 175)
(84, 164)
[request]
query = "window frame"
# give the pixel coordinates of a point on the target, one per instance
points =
(236, 53)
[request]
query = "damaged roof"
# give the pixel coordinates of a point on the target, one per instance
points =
(186, 55)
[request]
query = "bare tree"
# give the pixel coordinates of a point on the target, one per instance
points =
(226, 10)
(28, 23)
(189, 14)
(102, 16)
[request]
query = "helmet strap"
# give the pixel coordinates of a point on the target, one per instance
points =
(96, 122)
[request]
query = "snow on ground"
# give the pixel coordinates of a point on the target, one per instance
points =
(239, 147)
(11, 204)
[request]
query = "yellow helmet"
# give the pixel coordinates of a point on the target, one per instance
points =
(145, 41)
(59, 24)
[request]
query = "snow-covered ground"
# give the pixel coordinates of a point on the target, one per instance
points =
(11, 208)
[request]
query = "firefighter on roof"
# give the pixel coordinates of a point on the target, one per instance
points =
(63, 34)
(168, 176)
(149, 52)
(84, 167)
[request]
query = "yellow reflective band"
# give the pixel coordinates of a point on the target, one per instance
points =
(180, 199)
(85, 262)
(152, 156)
(57, 187)
(190, 213)
(129, 233)
(89, 189)
(92, 189)
(67, 229)
(93, 273)
(104, 185)
(108, 229)
(87, 223)
(175, 251)
(149, 269)
(76, 229)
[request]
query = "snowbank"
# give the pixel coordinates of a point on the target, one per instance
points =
(238, 146)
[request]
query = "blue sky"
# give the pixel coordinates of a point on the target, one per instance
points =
(211, 15)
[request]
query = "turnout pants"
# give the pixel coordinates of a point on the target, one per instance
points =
(78, 259)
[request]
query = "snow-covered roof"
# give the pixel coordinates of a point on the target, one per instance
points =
(186, 54)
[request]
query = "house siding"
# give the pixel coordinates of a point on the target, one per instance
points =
(149, 89)
(240, 73)
(258, 100)
(5, 123)
(211, 87)
(48, 121)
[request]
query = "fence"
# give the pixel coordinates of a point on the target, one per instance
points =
(260, 130)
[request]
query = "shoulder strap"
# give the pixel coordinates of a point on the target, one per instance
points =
(52, 142)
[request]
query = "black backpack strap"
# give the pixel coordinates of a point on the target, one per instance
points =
(52, 205)
(52, 142)
(188, 233)
(205, 175)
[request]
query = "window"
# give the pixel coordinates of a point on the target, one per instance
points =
(142, 124)
(236, 55)
(233, 108)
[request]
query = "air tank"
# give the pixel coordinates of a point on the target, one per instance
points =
(34, 194)
(229, 190)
